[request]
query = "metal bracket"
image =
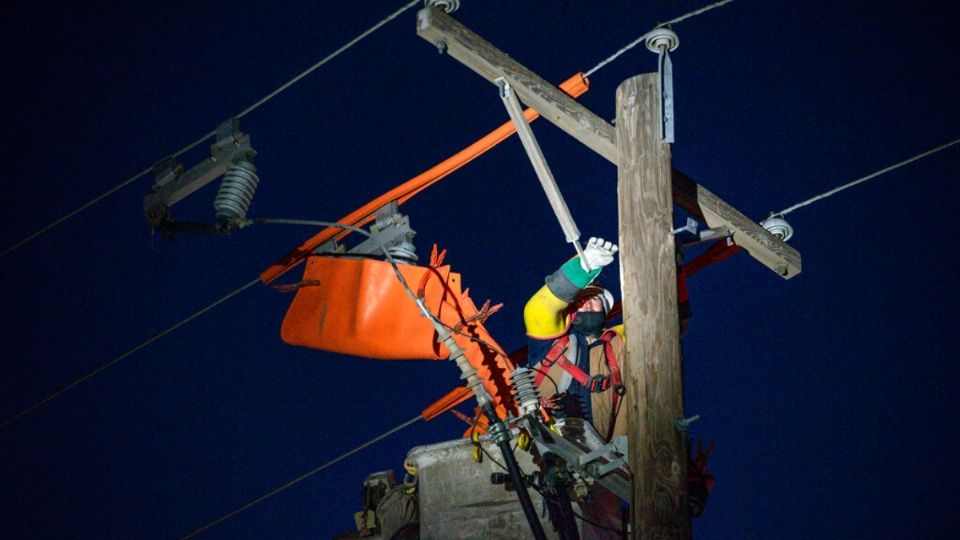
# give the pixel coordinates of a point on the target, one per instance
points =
(172, 184)
(708, 235)
(582, 448)
(390, 230)
(665, 68)
(661, 41)
(690, 227)
(683, 423)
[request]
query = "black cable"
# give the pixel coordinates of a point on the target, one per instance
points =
(547, 375)
(483, 450)
(550, 500)
(519, 481)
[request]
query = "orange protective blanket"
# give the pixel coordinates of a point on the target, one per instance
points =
(358, 307)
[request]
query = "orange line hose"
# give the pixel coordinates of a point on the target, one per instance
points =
(575, 86)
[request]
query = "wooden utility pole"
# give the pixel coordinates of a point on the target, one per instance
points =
(648, 277)
(647, 189)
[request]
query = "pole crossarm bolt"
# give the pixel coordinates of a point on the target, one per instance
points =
(683, 423)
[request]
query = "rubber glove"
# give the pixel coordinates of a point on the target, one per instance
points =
(597, 254)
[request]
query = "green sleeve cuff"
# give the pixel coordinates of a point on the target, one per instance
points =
(566, 282)
(576, 274)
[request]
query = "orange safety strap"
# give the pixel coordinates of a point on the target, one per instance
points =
(575, 86)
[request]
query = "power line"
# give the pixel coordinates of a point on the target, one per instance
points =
(116, 360)
(865, 178)
(199, 141)
(223, 299)
(640, 39)
(304, 476)
(104, 195)
(329, 57)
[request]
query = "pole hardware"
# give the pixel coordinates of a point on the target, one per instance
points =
(540, 165)
(391, 230)
(231, 157)
(690, 227)
(683, 423)
(778, 227)
(448, 6)
(661, 41)
(582, 450)
(696, 236)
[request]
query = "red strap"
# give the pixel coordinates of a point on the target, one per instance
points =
(556, 356)
(555, 353)
(716, 253)
(683, 294)
(616, 379)
(574, 371)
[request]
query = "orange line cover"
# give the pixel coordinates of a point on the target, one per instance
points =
(575, 86)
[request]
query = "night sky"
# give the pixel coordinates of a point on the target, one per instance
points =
(832, 396)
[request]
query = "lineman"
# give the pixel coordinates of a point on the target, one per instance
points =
(576, 356)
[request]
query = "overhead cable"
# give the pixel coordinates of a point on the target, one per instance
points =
(643, 38)
(223, 299)
(329, 57)
(123, 356)
(199, 141)
(865, 178)
(302, 477)
(104, 195)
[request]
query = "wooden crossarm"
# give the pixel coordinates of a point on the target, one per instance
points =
(597, 134)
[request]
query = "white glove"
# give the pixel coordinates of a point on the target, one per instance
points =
(597, 254)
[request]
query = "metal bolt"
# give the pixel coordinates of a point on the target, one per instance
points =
(683, 423)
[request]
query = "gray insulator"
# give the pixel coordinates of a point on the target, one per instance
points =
(404, 251)
(778, 227)
(236, 191)
(525, 390)
(448, 6)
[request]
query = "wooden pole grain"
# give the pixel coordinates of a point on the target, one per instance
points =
(652, 370)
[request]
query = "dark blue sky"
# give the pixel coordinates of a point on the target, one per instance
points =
(832, 396)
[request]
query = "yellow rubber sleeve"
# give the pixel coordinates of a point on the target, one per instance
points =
(543, 315)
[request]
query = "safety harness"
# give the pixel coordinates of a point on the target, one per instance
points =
(593, 383)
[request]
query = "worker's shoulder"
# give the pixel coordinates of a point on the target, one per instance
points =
(619, 330)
